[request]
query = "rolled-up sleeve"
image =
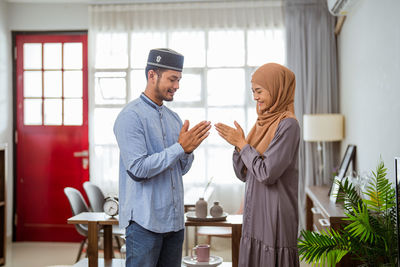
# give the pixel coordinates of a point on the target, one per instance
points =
(186, 161)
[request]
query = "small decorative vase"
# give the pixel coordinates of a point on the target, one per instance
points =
(216, 210)
(201, 208)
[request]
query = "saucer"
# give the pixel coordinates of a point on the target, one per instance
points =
(214, 261)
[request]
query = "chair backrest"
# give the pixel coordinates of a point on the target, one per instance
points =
(95, 196)
(78, 205)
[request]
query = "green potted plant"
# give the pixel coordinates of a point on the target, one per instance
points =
(369, 233)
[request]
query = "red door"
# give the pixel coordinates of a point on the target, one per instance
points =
(51, 133)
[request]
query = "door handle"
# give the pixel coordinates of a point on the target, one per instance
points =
(81, 154)
(85, 163)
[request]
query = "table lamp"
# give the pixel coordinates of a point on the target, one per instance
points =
(322, 128)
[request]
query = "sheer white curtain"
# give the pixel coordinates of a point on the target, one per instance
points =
(223, 42)
(222, 14)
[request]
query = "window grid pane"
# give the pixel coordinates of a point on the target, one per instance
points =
(112, 50)
(141, 43)
(33, 111)
(73, 111)
(225, 48)
(32, 56)
(52, 83)
(73, 56)
(32, 84)
(46, 98)
(226, 87)
(52, 112)
(52, 56)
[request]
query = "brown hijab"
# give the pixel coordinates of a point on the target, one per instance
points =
(280, 82)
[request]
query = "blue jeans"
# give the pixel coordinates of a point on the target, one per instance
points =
(148, 249)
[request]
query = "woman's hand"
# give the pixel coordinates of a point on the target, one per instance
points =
(233, 136)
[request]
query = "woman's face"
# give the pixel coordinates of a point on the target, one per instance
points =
(262, 96)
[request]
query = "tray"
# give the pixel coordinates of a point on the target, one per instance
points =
(214, 261)
(191, 216)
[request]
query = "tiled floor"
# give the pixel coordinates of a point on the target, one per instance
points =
(44, 254)
(40, 254)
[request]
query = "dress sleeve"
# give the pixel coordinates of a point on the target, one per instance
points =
(267, 168)
(238, 166)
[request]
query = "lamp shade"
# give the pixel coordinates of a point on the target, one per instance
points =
(323, 127)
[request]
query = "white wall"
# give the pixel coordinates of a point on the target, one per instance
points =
(44, 17)
(369, 67)
(6, 104)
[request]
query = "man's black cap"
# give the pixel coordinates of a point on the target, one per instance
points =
(165, 58)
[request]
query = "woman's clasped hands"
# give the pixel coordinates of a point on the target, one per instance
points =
(234, 136)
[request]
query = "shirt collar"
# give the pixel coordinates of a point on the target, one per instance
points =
(150, 102)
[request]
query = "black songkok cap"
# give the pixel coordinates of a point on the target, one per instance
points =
(165, 58)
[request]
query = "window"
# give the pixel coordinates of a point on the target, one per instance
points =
(53, 84)
(215, 86)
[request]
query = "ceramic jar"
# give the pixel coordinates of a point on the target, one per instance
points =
(216, 210)
(201, 208)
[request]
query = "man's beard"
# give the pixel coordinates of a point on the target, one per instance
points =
(159, 94)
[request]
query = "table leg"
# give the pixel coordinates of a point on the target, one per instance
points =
(195, 236)
(93, 252)
(186, 241)
(236, 235)
(309, 215)
(108, 247)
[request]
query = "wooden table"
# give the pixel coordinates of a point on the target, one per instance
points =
(94, 220)
(233, 221)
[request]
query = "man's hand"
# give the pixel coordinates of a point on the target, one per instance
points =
(231, 135)
(191, 139)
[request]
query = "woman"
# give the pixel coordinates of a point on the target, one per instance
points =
(267, 162)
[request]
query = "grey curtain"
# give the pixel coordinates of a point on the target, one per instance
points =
(311, 55)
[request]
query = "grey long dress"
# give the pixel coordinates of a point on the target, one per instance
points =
(270, 218)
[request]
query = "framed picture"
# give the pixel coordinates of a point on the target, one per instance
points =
(349, 156)
(334, 189)
(397, 175)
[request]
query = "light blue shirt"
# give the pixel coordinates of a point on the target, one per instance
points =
(151, 166)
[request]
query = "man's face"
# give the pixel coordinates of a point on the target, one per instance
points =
(167, 84)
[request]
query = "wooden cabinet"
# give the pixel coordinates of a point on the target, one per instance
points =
(322, 213)
(3, 210)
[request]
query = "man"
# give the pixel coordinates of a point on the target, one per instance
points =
(155, 151)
